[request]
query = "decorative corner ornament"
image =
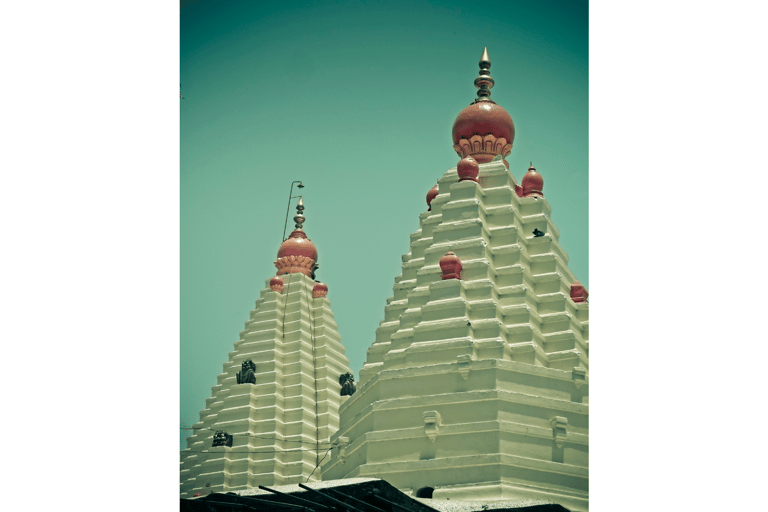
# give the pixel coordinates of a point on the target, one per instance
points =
(432, 424)
(559, 430)
(463, 364)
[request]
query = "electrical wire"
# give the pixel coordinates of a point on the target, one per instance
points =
(187, 451)
(256, 436)
(318, 464)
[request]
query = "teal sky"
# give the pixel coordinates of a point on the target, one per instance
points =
(356, 99)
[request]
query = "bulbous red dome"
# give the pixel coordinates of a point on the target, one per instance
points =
(533, 183)
(483, 118)
(276, 284)
(483, 130)
(319, 290)
(297, 244)
(467, 169)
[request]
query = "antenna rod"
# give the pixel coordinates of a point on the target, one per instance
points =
(287, 210)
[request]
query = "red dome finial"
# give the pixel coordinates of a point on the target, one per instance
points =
(276, 284)
(297, 253)
(483, 129)
(467, 169)
(451, 266)
(578, 292)
(320, 290)
(430, 196)
(533, 183)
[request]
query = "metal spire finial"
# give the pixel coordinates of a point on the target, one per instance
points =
(299, 217)
(484, 82)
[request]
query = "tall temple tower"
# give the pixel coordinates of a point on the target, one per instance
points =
(271, 415)
(476, 385)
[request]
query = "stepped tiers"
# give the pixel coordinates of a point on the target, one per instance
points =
(289, 358)
(476, 385)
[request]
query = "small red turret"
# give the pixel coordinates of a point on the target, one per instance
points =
(320, 290)
(276, 284)
(430, 196)
(578, 292)
(468, 169)
(533, 183)
(451, 266)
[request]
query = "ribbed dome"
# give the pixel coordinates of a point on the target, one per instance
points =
(483, 118)
(297, 244)
(533, 183)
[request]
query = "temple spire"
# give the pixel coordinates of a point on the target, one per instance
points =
(484, 82)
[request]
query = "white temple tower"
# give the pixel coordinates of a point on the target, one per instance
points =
(476, 385)
(280, 415)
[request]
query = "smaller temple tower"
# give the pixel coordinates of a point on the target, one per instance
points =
(276, 404)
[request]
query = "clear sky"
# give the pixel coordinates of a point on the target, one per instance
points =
(356, 99)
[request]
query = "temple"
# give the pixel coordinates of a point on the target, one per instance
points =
(276, 403)
(476, 385)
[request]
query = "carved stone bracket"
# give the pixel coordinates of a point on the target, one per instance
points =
(579, 376)
(432, 424)
(559, 430)
(342, 443)
(463, 364)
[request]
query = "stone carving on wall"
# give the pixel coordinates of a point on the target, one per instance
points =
(247, 375)
(221, 438)
(347, 381)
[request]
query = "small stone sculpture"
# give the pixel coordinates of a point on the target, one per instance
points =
(221, 438)
(347, 381)
(247, 375)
